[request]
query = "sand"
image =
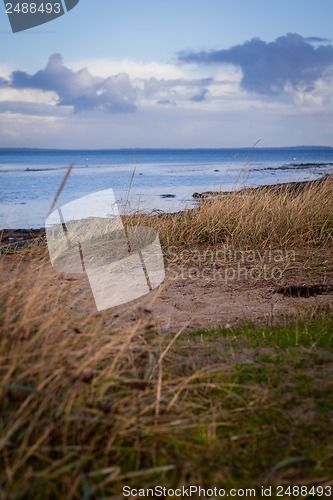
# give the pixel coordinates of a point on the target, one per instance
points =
(195, 294)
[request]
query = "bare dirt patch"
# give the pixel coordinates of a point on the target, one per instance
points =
(196, 294)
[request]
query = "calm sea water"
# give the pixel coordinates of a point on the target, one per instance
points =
(142, 179)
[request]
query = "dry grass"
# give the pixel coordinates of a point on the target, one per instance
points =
(86, 408)
(263, 218)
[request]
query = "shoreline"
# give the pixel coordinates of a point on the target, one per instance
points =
(292, 187)
(13, 239)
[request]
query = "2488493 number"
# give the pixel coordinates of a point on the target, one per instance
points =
(304, 491)
(33, 8)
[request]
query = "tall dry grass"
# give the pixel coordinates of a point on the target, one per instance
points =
(87, 406)
(266, 217)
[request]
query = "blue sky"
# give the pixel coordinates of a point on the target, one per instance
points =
(157, 73)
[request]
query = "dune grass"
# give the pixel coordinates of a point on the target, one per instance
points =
(257, 219)
(87, 408)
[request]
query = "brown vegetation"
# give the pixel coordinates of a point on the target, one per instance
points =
(88, 404)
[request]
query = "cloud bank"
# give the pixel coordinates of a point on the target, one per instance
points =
(271, 90)
(296, 69)
(269, 67)
(79, 88)
(117, 93)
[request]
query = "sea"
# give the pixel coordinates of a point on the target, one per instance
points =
(147, 180)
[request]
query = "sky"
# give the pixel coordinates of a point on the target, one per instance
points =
(170, 74)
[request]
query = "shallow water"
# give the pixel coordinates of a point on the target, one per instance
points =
(142, 179)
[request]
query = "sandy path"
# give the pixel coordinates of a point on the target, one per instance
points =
(193, 296)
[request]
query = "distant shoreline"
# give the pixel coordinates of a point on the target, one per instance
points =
(240, 148)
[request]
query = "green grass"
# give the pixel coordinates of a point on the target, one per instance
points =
(237, 408)
(309, 332)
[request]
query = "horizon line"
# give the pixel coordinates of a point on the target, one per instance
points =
(31, 148)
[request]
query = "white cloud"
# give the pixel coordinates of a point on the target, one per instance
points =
(4, 71)
(170, 107)
(28, 95)
(319, 98)
(106, 67)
